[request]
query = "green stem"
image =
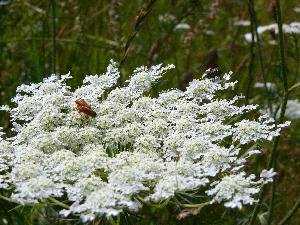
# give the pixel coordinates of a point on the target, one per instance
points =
(259, 49)
(281, 45)
(273, 159)
(156, 205)
(290, 213)
(58, 203)
(99, 44)
(53, 38)
(7, 199)
(258, 205)
(272, 163)
(140, 19)
(297, 57)
(252, 55)
(201, 205)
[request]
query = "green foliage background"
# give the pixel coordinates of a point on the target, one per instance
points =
(82, 36)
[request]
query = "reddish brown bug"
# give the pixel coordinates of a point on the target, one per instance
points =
(83, 107)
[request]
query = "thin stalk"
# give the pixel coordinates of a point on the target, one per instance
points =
(97, 44)
(201, 205)
(273, 157)
(140, 19)
(258, 205)
(252, 55)
(53, 38)
(273, 161)
(59, 203)
(7, 199)
(290, 213)
(258, 46)
(12, 200)
(281, 46)
(297, 57)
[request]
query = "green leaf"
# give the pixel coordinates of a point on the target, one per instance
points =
(201, 205)
(294, 86)
(263, 218)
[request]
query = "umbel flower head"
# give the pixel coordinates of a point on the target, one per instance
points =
(135, 149)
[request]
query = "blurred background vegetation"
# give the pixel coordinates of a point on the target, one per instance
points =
(39, 37)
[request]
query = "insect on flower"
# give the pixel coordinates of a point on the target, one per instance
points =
(83, 107)
(213, 73)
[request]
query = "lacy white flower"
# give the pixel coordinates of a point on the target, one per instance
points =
(235, 190)
(270, 86)
(292, 28)
(167, 18)
(293, 109)
(182, 26)
(117, 147)
(297, 9)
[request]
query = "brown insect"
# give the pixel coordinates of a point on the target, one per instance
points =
(83, 107)
(213, 73)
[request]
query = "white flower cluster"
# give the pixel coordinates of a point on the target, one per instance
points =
(135, 149)
(292, 108)
(292, 28)
(297, 9)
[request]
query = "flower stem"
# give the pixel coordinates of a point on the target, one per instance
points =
(201, 205)
(53, 38)
(290, 213)
(58, 203)
(139, 20)
(7, 199)
(252, 55)
(273, 157)
(297, 57)
(273, 161)
(258, 46)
